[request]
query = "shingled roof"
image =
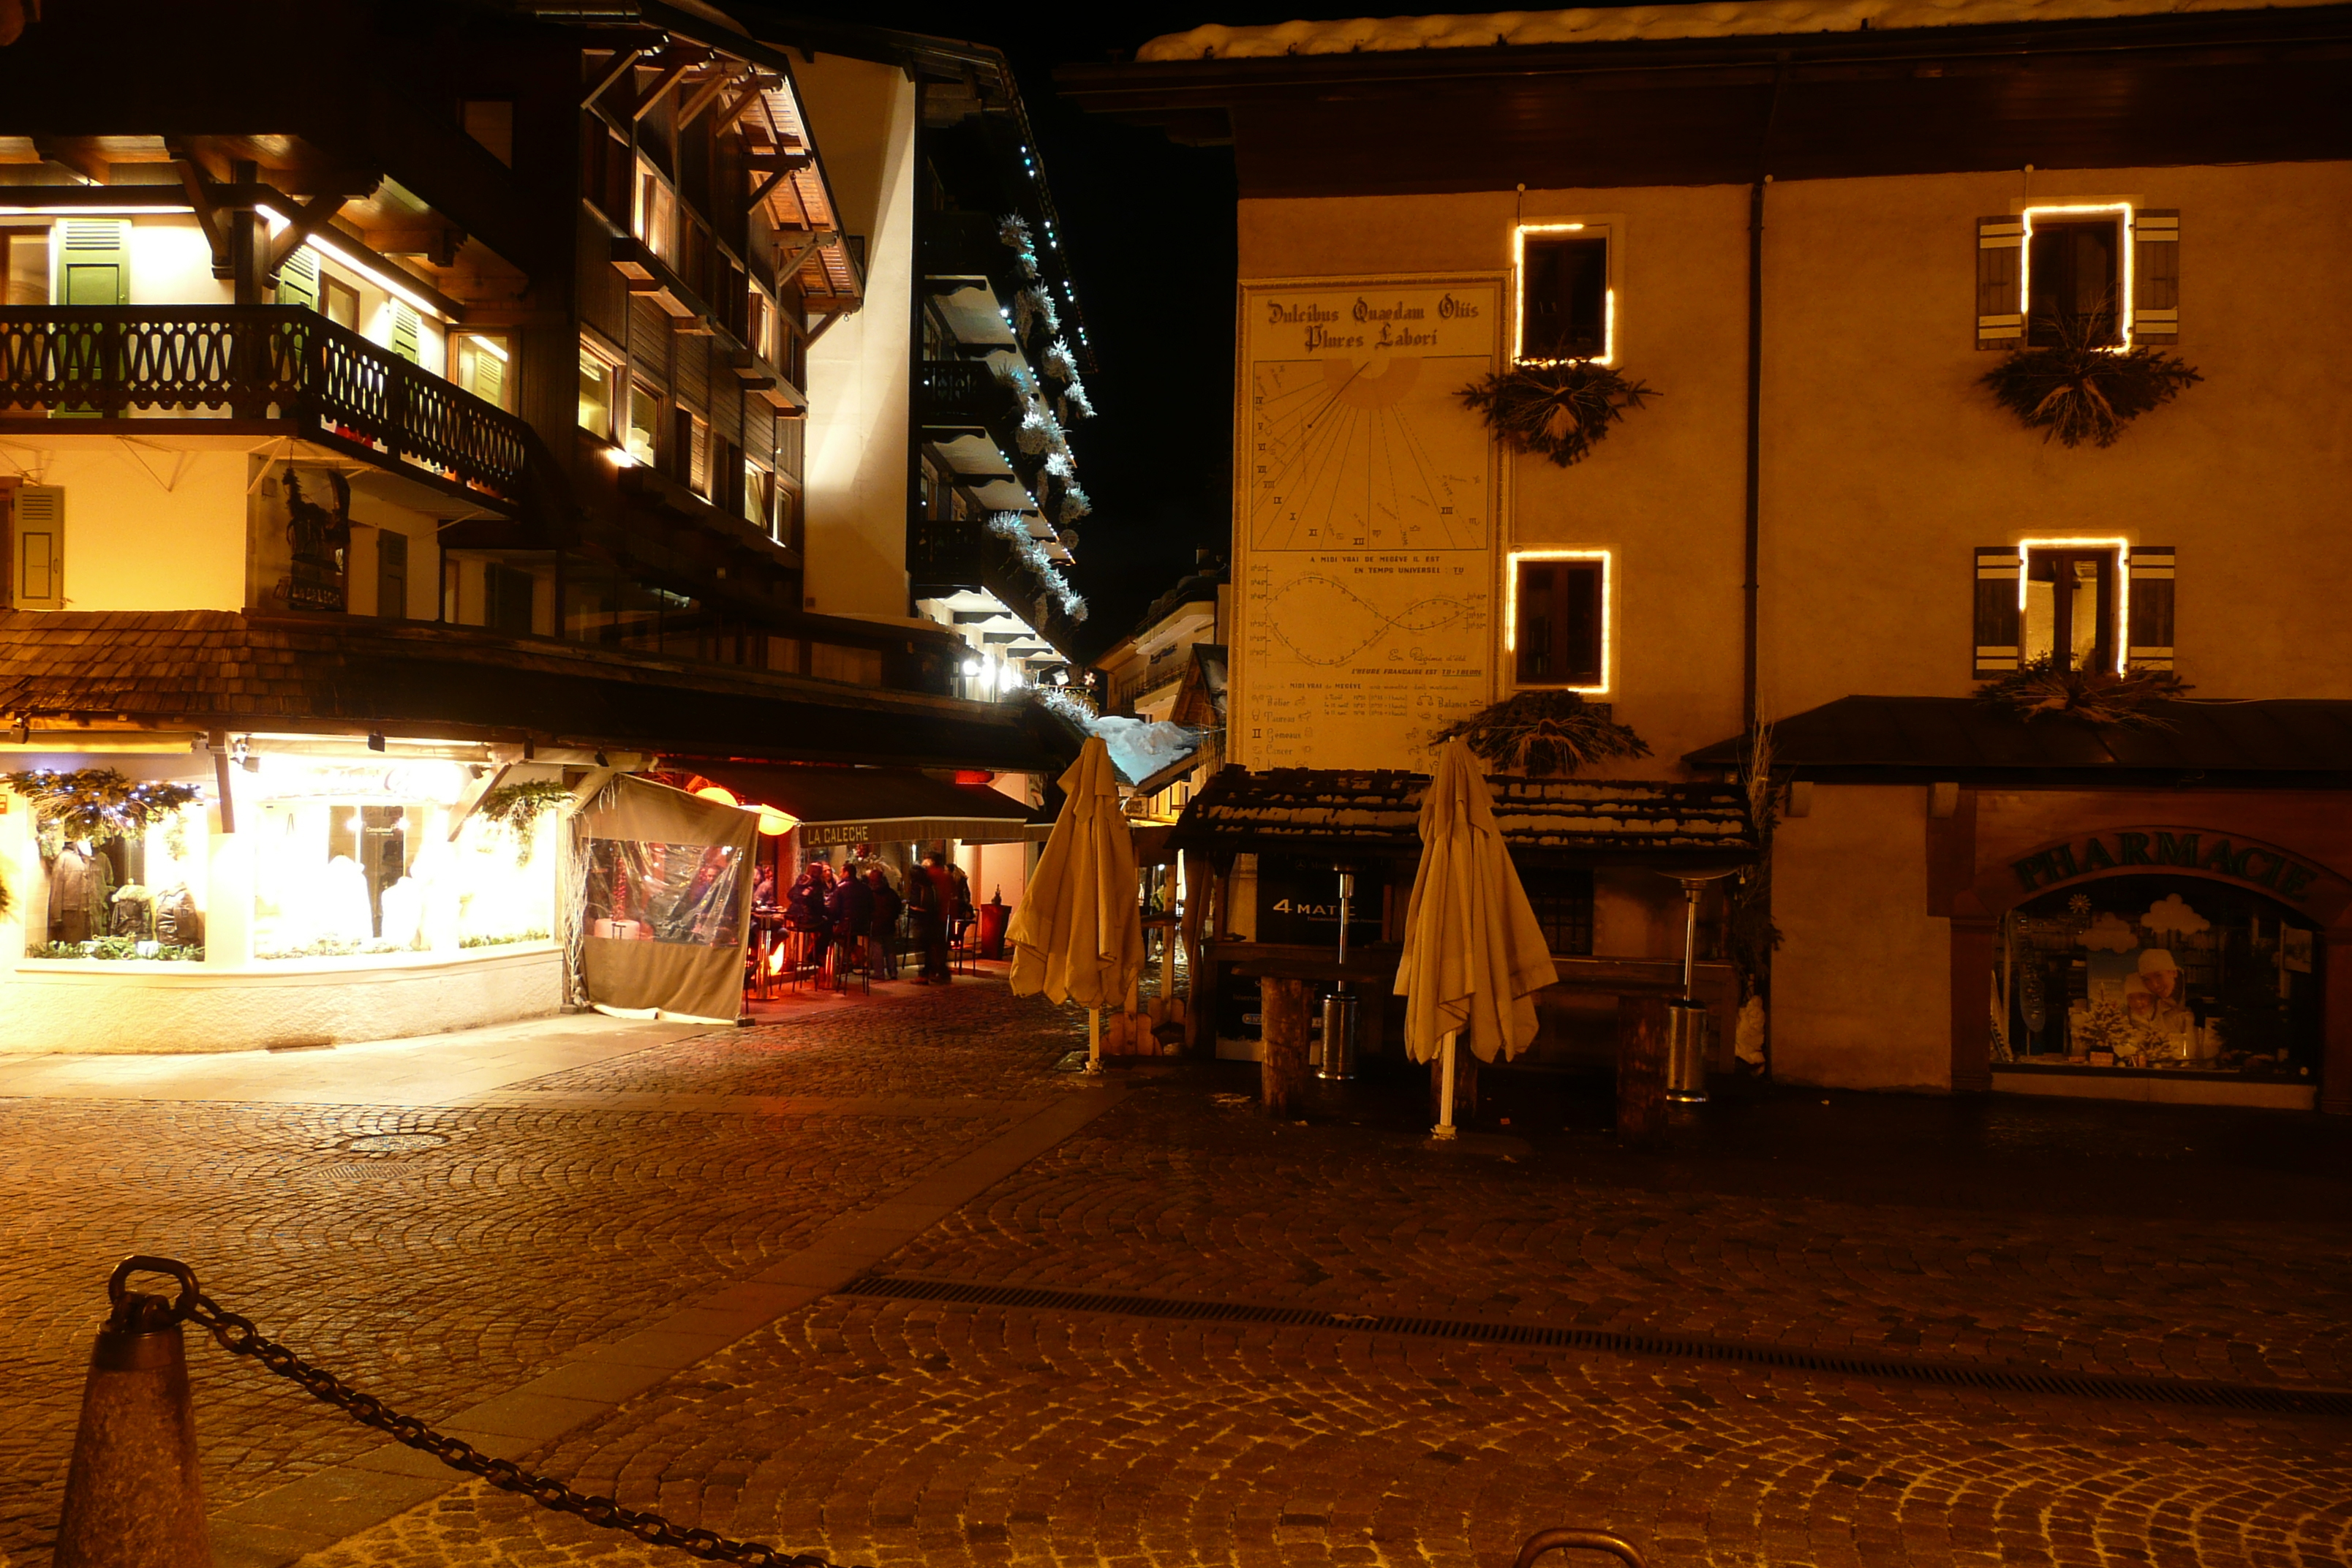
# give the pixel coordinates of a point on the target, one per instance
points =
(2290, 742)
(203, 669)
(1576, 822)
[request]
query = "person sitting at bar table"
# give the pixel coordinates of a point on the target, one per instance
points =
(887, 905)
(849, 911)
(804, 910)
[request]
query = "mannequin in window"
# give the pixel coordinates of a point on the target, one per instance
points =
(81, 893)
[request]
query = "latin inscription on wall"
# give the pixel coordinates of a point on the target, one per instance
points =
(1365, 502)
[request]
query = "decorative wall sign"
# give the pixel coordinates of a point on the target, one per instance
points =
(1367, 499)
(2157, 848)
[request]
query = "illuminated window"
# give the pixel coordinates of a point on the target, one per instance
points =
(1564, 298)
(595, 395)
(644, 423)
(2072, 600)
(1567, 307)
(2073, 279)
(654, 217)
(1559, 619)
(2082, 604)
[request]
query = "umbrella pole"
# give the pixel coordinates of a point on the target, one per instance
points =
(1445, 1127)
(1094, 1039)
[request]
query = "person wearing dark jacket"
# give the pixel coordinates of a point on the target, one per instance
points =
(887, 905)
(805, 911)
(849, 910)
(930, 898)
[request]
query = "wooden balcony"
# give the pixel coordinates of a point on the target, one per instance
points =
(104, 363)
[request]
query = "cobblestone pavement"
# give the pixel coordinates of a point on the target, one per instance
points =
(888, 1432)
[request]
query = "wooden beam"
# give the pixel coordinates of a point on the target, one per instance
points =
(661, 88)
(703, 97)
(82, 161)
(760, 193)
(751, 94)
(207, 219)
(622, 63)
(300, 225)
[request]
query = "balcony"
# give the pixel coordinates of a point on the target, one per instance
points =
(109, 363)
(967, 392)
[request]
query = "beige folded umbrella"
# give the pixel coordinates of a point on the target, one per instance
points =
(1473, 956)
(1078, 933)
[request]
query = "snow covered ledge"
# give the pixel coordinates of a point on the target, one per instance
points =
(143, 1006)
(1614, 23)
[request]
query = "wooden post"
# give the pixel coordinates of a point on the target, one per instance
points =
(1287, 1007)
(1973, 944)
(1641, 1065)
(1094, 1039)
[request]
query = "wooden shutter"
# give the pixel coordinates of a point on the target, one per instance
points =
(1997, 629)
(2149, 635)
(2156, 276)
(37, 548)
(407, 332)
(2000, 302)
(297, 280)
(94, 261)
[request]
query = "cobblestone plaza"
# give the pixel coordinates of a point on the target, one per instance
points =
(646, 1266)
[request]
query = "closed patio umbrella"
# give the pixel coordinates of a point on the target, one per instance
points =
(1078, 935)
(1473, 956)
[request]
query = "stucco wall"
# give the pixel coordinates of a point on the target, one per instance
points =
(862, 115)
(159, 1007)
(146, 528)
(1861, 990)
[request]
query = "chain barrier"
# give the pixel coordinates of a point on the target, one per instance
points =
(136, 1312)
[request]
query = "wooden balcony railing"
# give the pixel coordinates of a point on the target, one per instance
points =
(258, 362)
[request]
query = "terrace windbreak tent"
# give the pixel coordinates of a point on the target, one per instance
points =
(665, 901)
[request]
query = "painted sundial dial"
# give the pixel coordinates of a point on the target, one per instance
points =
(1365, 453)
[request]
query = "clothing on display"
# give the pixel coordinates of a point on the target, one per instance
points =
(134, 912)
(81, 894)
(178, 922)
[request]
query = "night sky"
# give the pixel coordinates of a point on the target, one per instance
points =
(1149, 231)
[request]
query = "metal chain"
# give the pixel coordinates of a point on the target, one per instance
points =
(238, 1335)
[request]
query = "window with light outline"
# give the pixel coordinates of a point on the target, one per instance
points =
(2066, 241)
(1557, 625)
(2061, 583)
(1566, 293)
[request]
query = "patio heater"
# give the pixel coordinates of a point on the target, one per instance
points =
(1339, 1064)
(1690, 1028)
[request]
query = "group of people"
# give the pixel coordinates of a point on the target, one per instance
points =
(856, 911)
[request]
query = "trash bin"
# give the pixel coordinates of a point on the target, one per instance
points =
(1339, 1060)
(1690, 1037)
(993, 919)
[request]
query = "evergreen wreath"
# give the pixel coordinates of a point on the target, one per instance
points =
(1543, 734)
(2040, 689)
(1561, 411)
(2079, 391)
(517, 808)
(98, 804)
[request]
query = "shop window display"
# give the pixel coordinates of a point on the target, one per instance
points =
(121, 869)
(2157, 973)
(358, 861)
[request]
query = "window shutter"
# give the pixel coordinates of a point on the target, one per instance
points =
(407, 332)
(297, 280)
(1996, 617)
(2000, 305)
(2148, 637)
(94, 261)
(2156, 276)
(38, 553)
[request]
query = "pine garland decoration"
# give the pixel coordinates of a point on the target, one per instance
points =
(2040, 689)
(2079, 391)
(98, 804)
(517, 808)
(1561, 411)
(1543, 734)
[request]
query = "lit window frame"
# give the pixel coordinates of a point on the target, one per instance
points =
(2064, 211)
(2121, 547)
(1608, 559)
(1606, 232)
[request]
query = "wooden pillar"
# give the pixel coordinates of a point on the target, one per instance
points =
(1971, 1026)
(1288, 1007)
(2336, 1025)
(1641, 1065)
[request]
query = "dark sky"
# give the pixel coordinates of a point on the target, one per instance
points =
(1149, 228)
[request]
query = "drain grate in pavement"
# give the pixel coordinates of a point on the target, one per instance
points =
(2252, 1397)
(369, 1170)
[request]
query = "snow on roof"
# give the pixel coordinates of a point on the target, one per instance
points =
(1723, 19)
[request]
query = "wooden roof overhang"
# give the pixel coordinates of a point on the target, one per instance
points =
(1677, 829)
(2255, 86)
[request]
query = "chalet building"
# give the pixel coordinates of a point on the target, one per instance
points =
(394, 413)
(1809, 232)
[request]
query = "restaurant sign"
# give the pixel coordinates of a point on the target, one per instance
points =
(2158, 848)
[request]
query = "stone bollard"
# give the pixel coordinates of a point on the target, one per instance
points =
(133, 1498)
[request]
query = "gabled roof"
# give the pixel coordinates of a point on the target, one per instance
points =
(2282, 741)
(1687, 828)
